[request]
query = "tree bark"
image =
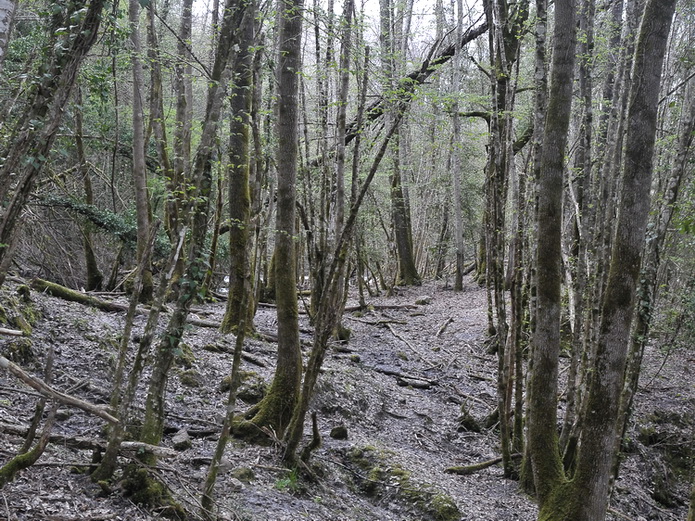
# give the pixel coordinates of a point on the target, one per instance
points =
(598, 437)
(7, 9)
(238, 175)
(542, 421)
(139, 166)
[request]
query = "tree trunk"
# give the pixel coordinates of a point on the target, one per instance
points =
(94, 276)
(197, 212)
(31, 143)
(598, 437)
(542, 421)
(407, 270)
(7, 9)
(139, 167)
(238, 176)
(275, 410)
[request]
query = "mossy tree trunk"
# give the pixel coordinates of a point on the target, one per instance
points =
(400, 212)
(598, 437)
(94, 276)
(647, 290)
(139, 168)
(275, 410)
(238, 175)
(585, 496)
(542, 421)
(201, 186)
(506, 22)
(331, 307)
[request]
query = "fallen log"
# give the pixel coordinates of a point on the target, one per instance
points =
(76, 296)
(475, 467)
(46, 390)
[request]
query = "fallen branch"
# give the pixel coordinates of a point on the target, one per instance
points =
(81, 443)
(380, 306)
(75, 296)
(475, 467)
(381, 322)
(48, 391)
(443, 327)
(71, 295)
(10, 332)
(415, 351)
(399, 374)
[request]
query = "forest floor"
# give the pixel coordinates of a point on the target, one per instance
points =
(398, 388)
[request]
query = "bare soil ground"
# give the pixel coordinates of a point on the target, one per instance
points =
(397, 387)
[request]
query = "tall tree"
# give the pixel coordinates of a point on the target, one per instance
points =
(239, 192)
(402, 228)
(139, 166)
(197, 213)
(275, 410)
(585, 496)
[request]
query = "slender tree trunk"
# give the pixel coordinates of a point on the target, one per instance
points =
(543, 443)
(94, 276)
(456, 155)
(239, 178)
(201, 187)
(648, 283)
(275, 410)
(598, 437)
(139, 167)
(407, 273)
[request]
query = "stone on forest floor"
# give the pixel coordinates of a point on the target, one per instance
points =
(423, 300)
(244, 474)
(339, 433)
(182, 440)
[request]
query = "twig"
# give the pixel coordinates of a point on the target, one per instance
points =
(47, 390)
(620, 514)
(399, 337)
(443, 327)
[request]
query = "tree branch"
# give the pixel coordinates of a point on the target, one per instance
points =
(46, 390)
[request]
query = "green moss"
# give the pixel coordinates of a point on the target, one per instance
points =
(184, 356)
(213, 348)
(244, 474)
(379, 474)
(191, 378)
(145, 490)
(443, 508)
(19, 312)
(20, 351)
